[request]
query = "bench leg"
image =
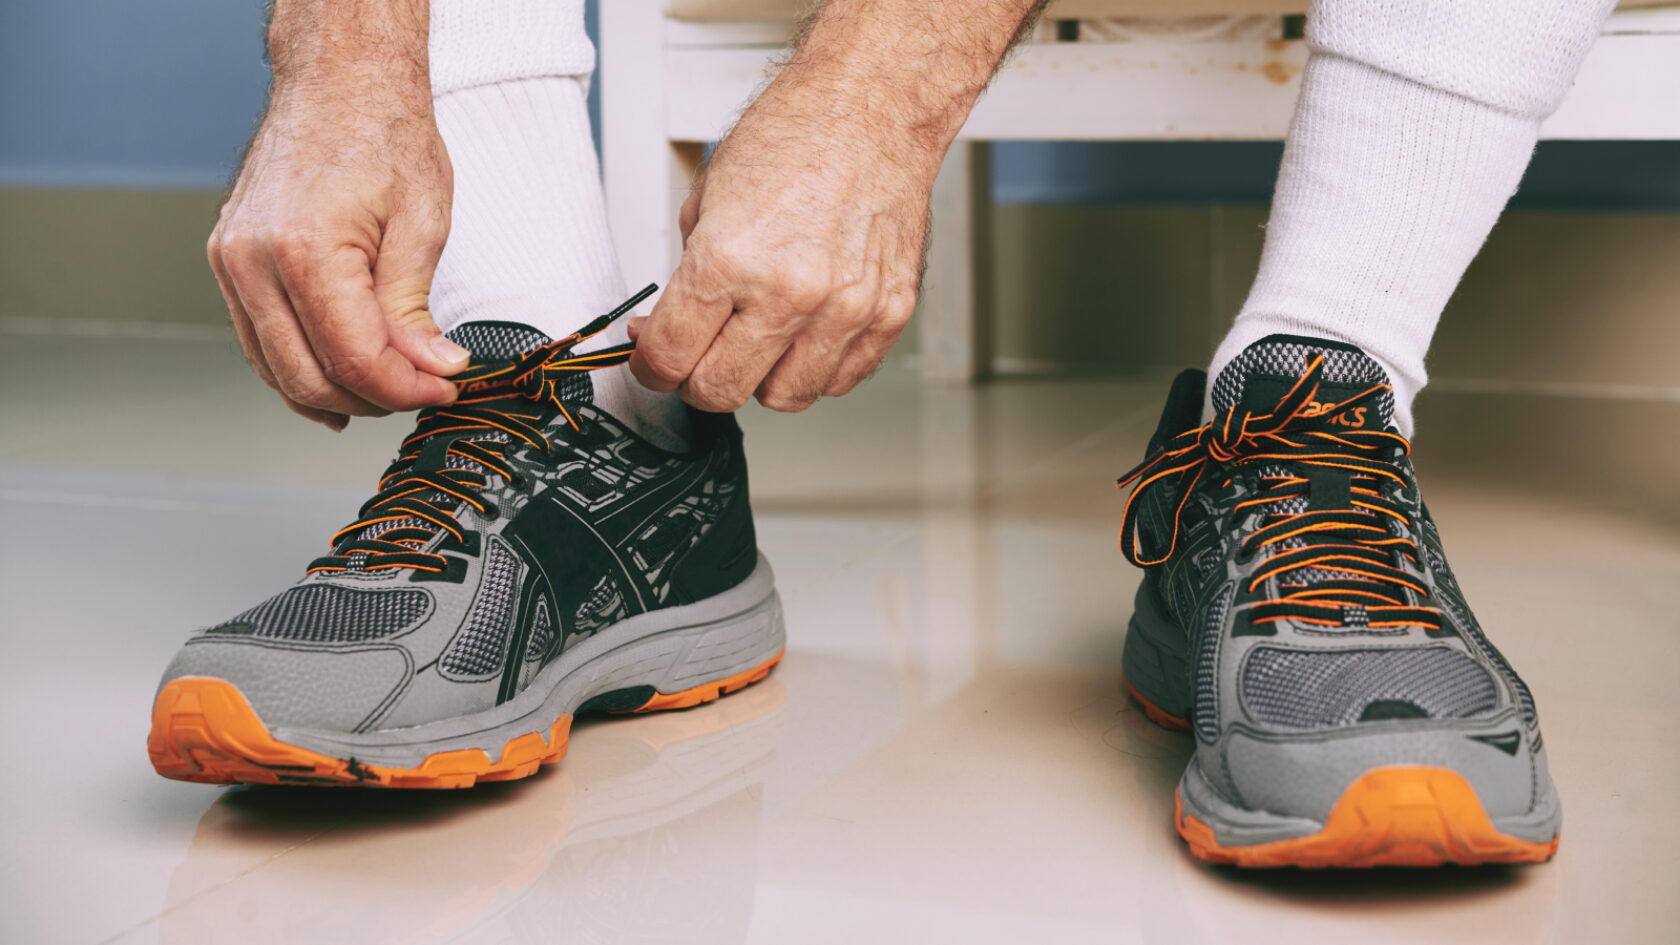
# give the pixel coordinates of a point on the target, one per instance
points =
(646, 175)
(955, 312)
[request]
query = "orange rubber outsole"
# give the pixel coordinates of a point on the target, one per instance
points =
(204, 730)
(1397, 816)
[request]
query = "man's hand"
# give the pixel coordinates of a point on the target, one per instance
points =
(326, 245)
(803, 242)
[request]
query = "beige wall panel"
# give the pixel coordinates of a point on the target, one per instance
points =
(1101, 288)
(1587, 299)
(1569, 298)
(108, 255)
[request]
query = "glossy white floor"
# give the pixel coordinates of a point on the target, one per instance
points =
(945, 754)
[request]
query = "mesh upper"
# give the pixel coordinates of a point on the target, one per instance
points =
(488, 341)
(481, 645)
(542, 632)
(324, 613)
(1288, 359)
(603, 607)
(1318, 689)
(496, 341)
(1207, 667)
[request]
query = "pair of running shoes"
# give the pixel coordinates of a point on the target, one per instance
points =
(528, 559)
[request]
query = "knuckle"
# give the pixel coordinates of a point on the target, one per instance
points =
(897, 312)
(240, 256)
(347, 370)
(294, 253)
(856, 304)
(801, 293)
(713, 398)
(710, 259)
(842, 384)
(662, 366)
(786, 401)
(311, 392)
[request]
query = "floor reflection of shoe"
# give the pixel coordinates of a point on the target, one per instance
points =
(593, 850)
(1298, 615)
(526, 558)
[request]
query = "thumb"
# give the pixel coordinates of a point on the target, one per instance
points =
(402, 280)
(416, 337)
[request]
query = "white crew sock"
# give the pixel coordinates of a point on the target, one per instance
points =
(1415, 123)
(528, 240)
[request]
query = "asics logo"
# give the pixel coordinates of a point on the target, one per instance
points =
(1352, 417)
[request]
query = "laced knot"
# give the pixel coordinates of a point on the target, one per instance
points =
(1324, 499)
(449, 459)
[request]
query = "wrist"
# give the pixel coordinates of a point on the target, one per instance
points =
(905, 73)
(376, 49)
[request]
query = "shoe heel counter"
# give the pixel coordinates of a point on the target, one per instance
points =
(727, 551)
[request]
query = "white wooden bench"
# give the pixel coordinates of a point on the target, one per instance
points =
(676, 73)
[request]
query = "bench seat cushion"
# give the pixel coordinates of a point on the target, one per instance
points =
(1059, 9)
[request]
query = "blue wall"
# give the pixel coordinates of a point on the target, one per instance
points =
(118, 93)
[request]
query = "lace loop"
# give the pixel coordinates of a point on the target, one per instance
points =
(500, 405)
(1337, 566)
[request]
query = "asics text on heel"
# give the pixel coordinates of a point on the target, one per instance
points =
(1297, 615)
(526, 558)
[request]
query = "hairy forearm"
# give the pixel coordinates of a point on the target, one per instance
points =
(910, 67)
(350, 47)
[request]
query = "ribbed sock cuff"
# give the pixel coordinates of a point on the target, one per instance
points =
(483, 42)
(528, 239)
(528, 235)
(1387, 191)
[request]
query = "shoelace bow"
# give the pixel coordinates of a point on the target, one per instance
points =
(488, 405)
(1348, 541)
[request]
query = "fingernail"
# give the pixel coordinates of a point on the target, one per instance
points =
(449, 350)
(633, 327)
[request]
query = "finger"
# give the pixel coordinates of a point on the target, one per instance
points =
(673, 338)
(252, 347)
(284, 349)
(735, 364)
(242, 328)
(346, 329)
(809, 365)
(402, 282)
(248, 342)
(859, 365)
(869, 349)
(689, 215)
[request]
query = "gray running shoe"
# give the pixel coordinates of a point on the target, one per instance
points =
(1297, 615)
(526, 558)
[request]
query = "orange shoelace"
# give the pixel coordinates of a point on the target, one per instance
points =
(1339, 565)
(500, 406)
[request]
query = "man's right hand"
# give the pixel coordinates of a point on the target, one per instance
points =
(325, 248)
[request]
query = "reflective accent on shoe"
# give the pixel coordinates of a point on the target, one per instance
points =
(526, 558)
(1298, 613)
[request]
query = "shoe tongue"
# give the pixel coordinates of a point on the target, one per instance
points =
(1264, 372)
(496, 341)
(488, 341)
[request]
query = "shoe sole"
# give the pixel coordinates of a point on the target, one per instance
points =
(1394, 816)
(1390, 816)
(205, 730)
